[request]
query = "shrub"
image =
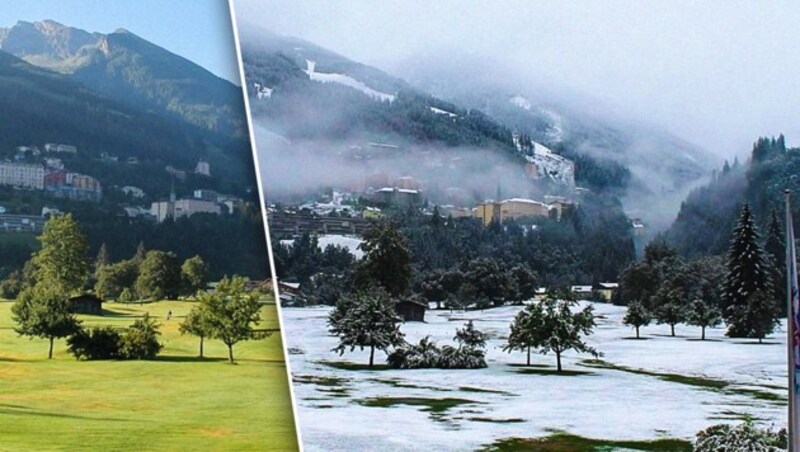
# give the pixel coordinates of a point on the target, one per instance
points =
(462, 358)
(97, 343)
(141, 340)
(424, 355)
(427, 355)
(744, 437)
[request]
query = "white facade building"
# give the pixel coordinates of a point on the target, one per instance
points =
(203, 168)
(22, 175)
(55, 147)
(182, 208)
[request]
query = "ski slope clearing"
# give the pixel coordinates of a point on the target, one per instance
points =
(657, 387)
(346, 80)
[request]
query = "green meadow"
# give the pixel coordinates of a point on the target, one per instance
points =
(176, 402)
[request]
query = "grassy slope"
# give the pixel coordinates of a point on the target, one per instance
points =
(175, 403)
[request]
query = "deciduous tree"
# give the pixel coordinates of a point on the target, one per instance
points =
(43, 311)
(637, 316)
(194, 274)
(704, 315)
(159, 276)
(63, 262)
(197, 324)
(366, 319)
(231, 313)
(554, 327)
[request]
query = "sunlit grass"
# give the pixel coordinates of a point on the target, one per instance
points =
(177, 402)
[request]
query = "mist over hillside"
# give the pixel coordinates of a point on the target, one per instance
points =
(327, 114)
(665, 167)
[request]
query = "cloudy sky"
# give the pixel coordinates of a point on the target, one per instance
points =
(718, 74)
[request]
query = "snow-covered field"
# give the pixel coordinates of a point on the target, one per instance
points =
(346, 241)
(643, 389)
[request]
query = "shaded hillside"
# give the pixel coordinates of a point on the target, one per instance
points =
(38, 106)
(127, 68)
(706, 218)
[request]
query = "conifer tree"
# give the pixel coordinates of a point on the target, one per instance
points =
(387, 258)
(102, 258)
(775, 253)
(470, 337)
(761, 315)
(746, 274)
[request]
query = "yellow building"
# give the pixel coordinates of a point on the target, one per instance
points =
(511, 209)
(371, 213)
(607, 289)
(488, 211)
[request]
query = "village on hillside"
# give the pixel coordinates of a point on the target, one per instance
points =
(45, 170)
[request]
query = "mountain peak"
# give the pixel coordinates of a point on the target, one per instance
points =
(122, 31)
(46, 40)
(51, 24)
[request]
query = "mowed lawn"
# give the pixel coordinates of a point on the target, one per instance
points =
(177, 402)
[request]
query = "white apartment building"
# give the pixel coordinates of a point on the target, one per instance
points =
(22, 175)
(182, 208)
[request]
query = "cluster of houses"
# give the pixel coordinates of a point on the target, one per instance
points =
(407, 192)
(35, 168)
(50, 176)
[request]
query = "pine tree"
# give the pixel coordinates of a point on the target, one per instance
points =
(761, 315)
(775, 253)
(470, 337)
(747, 274)
(637, 316)
(702, 314)
(102, 258)
(387, 258)
(141, 253)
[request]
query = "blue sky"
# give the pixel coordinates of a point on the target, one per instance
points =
(199, 30)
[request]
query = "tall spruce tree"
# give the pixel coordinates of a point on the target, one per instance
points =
(387, 258)
(776, 251)
(102, 258)
(747, 273)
